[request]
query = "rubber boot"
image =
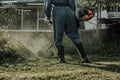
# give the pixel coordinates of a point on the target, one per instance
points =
(82, 53)
(61, 54)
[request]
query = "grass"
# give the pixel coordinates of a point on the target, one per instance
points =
(17, 62)
(101, 68)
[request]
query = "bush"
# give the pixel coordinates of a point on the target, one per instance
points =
(12, 51)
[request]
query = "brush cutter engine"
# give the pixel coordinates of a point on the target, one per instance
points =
(85, 13)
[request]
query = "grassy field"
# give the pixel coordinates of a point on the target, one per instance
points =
(100, 68)
(19, 60)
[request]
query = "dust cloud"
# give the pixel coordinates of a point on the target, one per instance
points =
(33, 42)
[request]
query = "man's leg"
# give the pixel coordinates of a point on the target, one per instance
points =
(61, 54)
(72, 33)
(80, 48)
(58, 37)
(83, 53)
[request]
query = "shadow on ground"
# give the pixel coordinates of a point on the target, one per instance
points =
(108, 63)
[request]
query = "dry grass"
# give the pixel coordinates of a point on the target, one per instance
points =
(28, 67)
(101, 68)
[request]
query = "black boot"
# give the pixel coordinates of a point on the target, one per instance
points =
(61, 54)
(82, 53)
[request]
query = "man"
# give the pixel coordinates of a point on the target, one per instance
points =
(63, 17)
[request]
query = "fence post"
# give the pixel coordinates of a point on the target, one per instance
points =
(22, 18)
(38, 15)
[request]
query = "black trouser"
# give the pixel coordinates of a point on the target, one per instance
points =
(81, 51)
(61, 53)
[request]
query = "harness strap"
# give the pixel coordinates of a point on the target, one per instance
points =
(60, 4)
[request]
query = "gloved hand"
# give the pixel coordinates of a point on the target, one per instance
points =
(47, 20)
